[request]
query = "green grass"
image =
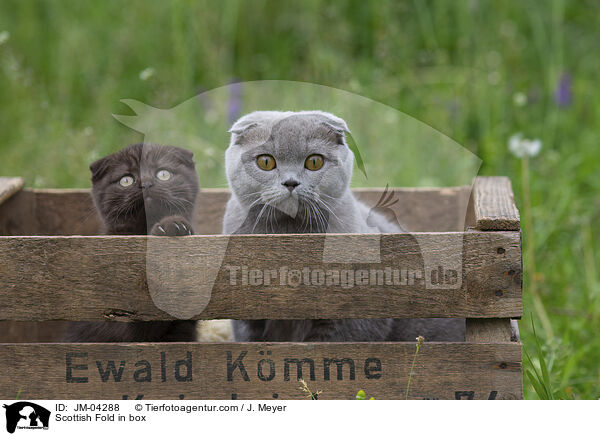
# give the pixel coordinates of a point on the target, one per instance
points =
(456, 66)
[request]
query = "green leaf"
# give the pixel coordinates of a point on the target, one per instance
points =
(536, 379)
(545, 374)
(541, 382)
(359, 161)
(360, 395)
(539, 389)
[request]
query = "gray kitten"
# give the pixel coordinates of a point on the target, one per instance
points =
(290, 172)
(291, 188)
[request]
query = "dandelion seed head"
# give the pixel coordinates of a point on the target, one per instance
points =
(39, 181)
(146, 73)
(209, 151)
(4, 36)
(519, 99)
(521, 147)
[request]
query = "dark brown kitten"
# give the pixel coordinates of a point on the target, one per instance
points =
(133, 209)
(142, 187)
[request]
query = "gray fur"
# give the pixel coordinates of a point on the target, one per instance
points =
(291, 137)
(321, 203)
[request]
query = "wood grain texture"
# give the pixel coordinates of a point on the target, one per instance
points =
(49, 212)
(106, 277)
(28, 331)
(71, 211)
(9, 186)
(423, 209)
(258, 370)
(494, 204)
(488, 330)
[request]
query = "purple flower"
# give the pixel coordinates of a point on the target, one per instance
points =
(563, 94)
(235, 101)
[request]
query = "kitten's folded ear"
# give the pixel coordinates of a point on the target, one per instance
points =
(99, 168)
(337, 126)
(186, 157)
(241, 125)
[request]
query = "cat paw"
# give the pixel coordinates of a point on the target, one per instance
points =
(172, 226)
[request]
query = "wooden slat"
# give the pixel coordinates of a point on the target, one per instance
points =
(71, 211)
(423, 209)
(65, 212)
(214, 371)
(9, 186)
(494, 205)
(106, 277)
(28, 331)
(17, 214)
(488, 330)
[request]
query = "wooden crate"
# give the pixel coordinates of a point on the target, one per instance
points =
(53, 269)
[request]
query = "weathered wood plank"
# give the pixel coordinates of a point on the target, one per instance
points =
(27, 331)
(488, 330)
(258, 370)
(71, 211)
(208, 277)
(423, 209)
(494, 204)
(17, 214)
(9, 186)
(65, 212)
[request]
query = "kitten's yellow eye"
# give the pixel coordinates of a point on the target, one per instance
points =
(265, 162)
(126, 181)
(163, 175)
(314, 162)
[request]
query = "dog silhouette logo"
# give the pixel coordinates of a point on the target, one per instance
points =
(410, 151)
(26, 415)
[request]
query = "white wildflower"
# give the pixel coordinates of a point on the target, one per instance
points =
(519, 99)
(146, 73)
(4, 36)
(522, 147)
(209, 151)
(39, 181)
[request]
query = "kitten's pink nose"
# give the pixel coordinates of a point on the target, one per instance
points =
(291, 184)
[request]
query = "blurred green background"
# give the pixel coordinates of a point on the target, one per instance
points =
(476, 71)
